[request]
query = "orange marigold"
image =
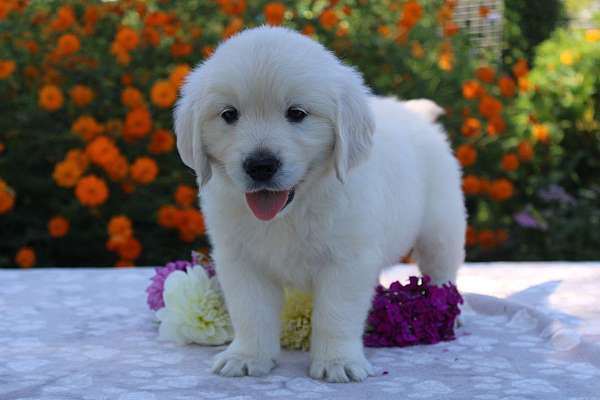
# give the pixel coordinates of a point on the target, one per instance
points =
(87, 127)
(489, 107)
(161, 141)
(127, 38)
(234, 26)
(132, 98)
(67, 173)
(81, 95)
(138, 123)
(471, 89)
(328, 19)
(178, 74)
(501, 189)
(485, 73)
(510, 162)
(471, 127)
(163, 94)
(525, 150)
(541, 133)
(25, 257)
(190, 224)
(91, 191)
(471, 185)
(102, 151)
(79, 157)
(7, 198)
(308, 30)
(411, 13)
(65, 17)
(167, 216)
(50, 98)
(58, 226)
(68, 44)
(124, 264)
(486, 239)
(118, 168)
(521, 68)
(185, 195)
(120, 227)
(507, 86)
(7, 67)
(182, 49)
(131, 249)
(274, 12)
(144, 170)
(466, 154)
(232, 7)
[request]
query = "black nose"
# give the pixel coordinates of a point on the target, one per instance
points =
(261, 166)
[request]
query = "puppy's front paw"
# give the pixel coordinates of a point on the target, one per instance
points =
(229, 363)
(341, 370)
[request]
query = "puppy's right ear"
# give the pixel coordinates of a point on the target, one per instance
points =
(188, 122)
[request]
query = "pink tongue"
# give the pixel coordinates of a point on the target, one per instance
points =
(265, 204)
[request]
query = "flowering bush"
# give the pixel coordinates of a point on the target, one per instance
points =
(88, 170)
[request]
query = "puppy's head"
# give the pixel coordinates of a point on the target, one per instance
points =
(269, 108)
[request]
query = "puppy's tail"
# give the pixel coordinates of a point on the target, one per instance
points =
(425, 107)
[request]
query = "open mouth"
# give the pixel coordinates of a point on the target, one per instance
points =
(266, 204)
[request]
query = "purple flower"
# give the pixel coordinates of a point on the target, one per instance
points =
(556, 193)
(415, 313)
(525, 220)
(155, 289)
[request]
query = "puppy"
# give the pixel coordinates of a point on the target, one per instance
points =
(299, 188)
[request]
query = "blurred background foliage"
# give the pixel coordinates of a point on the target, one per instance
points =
(88, 170)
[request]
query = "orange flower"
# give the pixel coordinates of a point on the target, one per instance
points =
(466, 154)
(207, 51)
(131, 249)
(127, 38)
(181, 49)
(68, 44)
(67, 173)
(328, 19)
(118, 168)
(78, 157)
(520, 69)
(151, 35)
(185, 195)
(501, 189)
(102, 151)
(124, 264)
(525, 151)
(592, 35)
(235, 25)
(486, 239)
(471, 89)
(65, 17)
(7, 198)
(484, 11)
(417, 50)
(190, 224)
(451, 28)
(120, 228)
(132, 98)
(541, 133)
(178, 74)
(163, 94)
(446, 59)
(523, 84)
(510, 162)
(471, 127)
(162, 141)
(496, 125)
(411, 13)
(7, 67)
(144, 170)
(167, 216)
(138, 123)
(87, 127)
(25, 257)
(485, 73)
(81, 95)
(58, 226)
(489, 107)
(507, 86)
(50, 97)
(232, 7)
(471, 185)
(308, 30)
(471, 236)
(91, 191)
(274, 13)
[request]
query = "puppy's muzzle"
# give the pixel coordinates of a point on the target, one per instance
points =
(261, 166)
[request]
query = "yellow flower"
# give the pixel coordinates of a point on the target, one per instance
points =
(592, 35)
(567, 58)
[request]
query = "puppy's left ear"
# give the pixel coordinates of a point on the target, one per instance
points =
(354, 125)
(188, 127)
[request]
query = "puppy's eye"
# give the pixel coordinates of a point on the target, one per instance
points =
(295, 114)
(230, 115)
